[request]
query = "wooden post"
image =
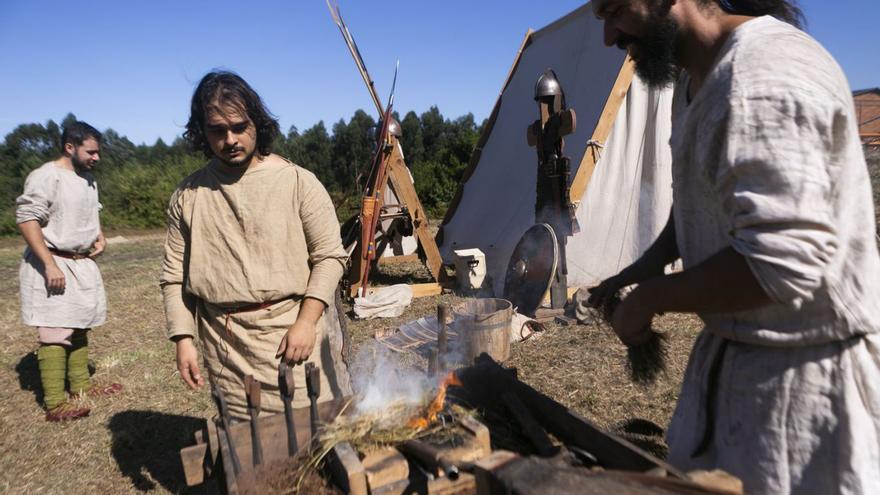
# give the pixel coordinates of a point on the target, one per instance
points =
(601, 131)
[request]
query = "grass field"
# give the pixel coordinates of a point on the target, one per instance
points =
(129, 444)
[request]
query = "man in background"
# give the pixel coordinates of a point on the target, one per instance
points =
(62, 293)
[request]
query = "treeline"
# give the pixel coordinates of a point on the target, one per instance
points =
(135, 181)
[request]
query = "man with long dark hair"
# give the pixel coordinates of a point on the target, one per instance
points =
(773, 219)
(62, 293)
(253, 255)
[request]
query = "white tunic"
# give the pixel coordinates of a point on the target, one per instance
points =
(767, 159)
(65, 203)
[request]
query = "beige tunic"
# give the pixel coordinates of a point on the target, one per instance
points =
(269, 234)
(65, 203)
(767, 159)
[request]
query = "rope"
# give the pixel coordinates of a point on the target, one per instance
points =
(597, 147)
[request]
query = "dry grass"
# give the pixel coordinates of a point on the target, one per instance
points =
(130, 444)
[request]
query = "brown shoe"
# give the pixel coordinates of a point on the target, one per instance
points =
(66, 411)
(99, 391)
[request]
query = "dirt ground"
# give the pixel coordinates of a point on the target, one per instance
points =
(130, 444)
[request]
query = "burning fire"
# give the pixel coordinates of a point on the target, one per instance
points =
(422, 422)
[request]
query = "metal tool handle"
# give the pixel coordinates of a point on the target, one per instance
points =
(252, 389)
(313, 380)
(220, 400)
(287, 387)
(313, 389)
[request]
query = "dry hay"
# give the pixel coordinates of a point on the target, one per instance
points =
(365, 433)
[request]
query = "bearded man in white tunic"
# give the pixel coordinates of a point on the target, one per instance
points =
(62, 293)
(774, 222)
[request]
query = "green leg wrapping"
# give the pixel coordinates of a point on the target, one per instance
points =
(78, 362)
(53, 365)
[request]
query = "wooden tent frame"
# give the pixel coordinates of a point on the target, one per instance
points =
(601, 129)
(397, 177)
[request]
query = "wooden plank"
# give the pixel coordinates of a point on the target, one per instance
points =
(225, 457)
(601, 131)
(273, 432)
(484, 472)
(347, 470)
(480, 432)
(419, 290)
(193, 460)
(384, 467)
(401, 184)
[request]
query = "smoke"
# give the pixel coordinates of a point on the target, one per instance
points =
(380, 379)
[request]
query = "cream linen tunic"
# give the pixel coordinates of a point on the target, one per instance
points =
(767, 159)
(65, 203)
(269, 234)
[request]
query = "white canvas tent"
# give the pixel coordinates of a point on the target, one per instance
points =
(624, 201)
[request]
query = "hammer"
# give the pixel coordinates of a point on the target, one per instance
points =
(252, 389)
(286, 385)
(313, 389)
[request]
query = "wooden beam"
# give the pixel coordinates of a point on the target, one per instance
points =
(601, 131)
(347, 470)
(419, 290)
(401, 184)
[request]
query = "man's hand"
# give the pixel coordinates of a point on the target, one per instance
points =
(297, 345)
(188, 363)
(98, 247)
(605, 290)
(632, 319)
(55, 282)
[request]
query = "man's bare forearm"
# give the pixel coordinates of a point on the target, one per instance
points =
(310, 310)
(723, 283)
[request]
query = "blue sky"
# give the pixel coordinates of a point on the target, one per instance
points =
(132, 66)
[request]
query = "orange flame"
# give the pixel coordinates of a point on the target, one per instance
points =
(422, 422)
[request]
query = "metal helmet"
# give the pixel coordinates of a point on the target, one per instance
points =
(394, 129)
(547, 85)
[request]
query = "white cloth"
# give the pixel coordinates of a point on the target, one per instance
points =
(65, 203)
(386, 302)
(767, 159)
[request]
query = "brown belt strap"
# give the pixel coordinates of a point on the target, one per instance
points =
(68, 254)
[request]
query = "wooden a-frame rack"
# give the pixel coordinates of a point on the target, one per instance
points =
(397, 178)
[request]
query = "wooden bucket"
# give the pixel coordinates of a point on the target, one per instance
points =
(483, 325)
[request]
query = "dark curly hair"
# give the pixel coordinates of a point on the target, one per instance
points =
(77, 132)
(228, 87)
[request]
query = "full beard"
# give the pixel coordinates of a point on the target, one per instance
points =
(79, 165)
(654, 57)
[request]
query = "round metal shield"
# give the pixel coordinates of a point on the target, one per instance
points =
(531, 268)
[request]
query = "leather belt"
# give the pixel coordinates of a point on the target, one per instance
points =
(68, 254)
(247, 308)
